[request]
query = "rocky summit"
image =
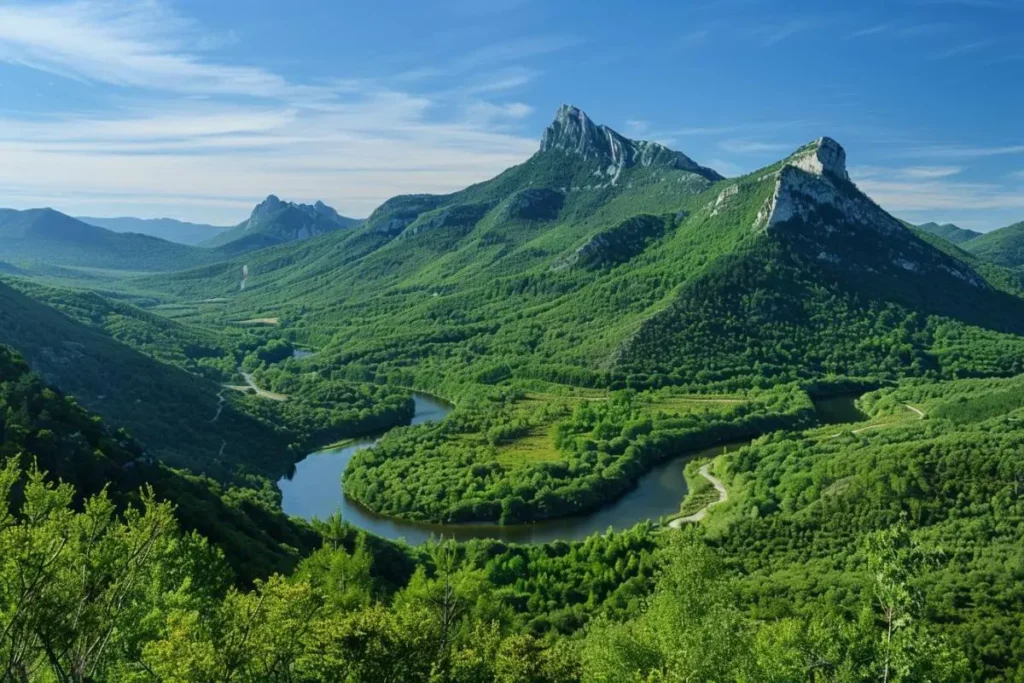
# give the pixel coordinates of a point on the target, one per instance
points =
(573, 132)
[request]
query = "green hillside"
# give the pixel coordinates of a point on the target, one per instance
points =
(950, 232)
(43, 428)
(168, 409)
(53, 239)
(1004, 246)
(657, 274)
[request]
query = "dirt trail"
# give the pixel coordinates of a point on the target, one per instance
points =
(920, 413)
(723, 495)
(868, 428)
(250, 383)
(220, 405)
(262, 392)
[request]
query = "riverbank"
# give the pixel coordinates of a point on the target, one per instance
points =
(720, 496)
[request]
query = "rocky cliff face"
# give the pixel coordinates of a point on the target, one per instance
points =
(573, 132)
(824, 156)
(815, 206)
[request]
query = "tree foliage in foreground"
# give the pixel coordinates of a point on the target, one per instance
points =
(90, 595)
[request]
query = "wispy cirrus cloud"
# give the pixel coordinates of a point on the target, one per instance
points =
(963, 49)
(933, 193)
(927, 172)
(140, 45)
(961, 151)
(637, 128)
(773, 35)
(694, 38)
(242, 131)
(753, 147)
(874, 30)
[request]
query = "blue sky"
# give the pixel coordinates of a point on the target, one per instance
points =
(197, 109)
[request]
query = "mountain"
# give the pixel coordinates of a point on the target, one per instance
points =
(1004, 246)
(167, 229)
(602, 259)
(168, 409)
(582, 176)
(275, 222)
(573, 132)
(948, 231)
(55, 239)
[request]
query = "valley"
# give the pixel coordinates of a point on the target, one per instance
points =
(607, 390)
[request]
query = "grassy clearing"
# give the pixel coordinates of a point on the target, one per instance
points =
(537, 446)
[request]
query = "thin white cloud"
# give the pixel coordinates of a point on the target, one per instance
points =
(694, 38)
(636, 127)
(754, 147)
(926, 172)
(961, 151)
(899, 195)
(963, 49)
(140, 45)
(772, 35)
(244, 131)
(515, 50)
(877, 29)
(488, 112)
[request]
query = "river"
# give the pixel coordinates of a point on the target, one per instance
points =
(836, 410)
(314, 490)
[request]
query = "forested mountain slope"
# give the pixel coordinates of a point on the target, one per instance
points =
(1004, 246)
(41, 427)
(605, 261)
(169, 410)
(826, 278)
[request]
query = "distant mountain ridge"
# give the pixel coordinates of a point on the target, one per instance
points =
(951, 232)
(274, 221)
(52, 238)
(169, 229)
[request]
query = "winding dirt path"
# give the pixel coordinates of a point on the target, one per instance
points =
(262, 392)
(250, 383)
(920, 413)
(220, 405)
(868, 428)
(723, 495)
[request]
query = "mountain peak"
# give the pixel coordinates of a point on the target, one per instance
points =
(823, 156)
(572, 132)
(270, 204)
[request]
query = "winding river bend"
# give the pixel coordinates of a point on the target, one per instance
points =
(314, 490)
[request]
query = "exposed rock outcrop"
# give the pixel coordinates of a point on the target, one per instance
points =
(573, 132)
(815, 205)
